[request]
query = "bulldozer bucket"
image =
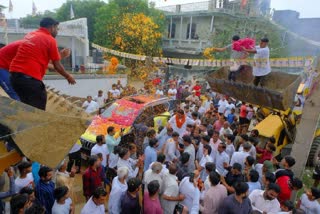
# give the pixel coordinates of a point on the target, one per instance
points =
(278, 93)
(45, 137)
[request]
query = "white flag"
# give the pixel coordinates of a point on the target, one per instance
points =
(10, 6)
(34, 9)
(71, 12)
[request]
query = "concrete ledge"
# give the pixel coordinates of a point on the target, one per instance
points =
(87, 84)
(87, 76)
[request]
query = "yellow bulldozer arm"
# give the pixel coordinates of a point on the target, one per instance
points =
(42, 136)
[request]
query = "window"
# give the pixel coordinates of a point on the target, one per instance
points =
(193, 31)
(173, 31)
(281, 137)
(219, 4)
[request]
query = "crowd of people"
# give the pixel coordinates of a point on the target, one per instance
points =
(97, 103)
(205, 159)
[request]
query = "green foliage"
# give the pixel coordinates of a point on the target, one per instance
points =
(158, 17)
(109, 16)
(132, 6)
(103, 19)
(31, 21)
(82, 9)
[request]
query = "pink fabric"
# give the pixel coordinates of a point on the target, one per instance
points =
(247, 43)
(217, 125)
(151, 206)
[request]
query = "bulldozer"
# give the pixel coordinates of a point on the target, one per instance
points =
(42, 136)
(275, 101)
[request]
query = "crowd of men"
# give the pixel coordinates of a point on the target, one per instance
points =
(202, 160)
(93, 104)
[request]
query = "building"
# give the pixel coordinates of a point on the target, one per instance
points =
(191, 27)
(307, 27)
(72, 34)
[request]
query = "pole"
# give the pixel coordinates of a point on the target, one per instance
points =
(73, 52)
(190, 27)
(211, 25)
(181, 22)
(170, 30)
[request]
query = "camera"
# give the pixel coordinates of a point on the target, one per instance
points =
(178, 209)
(191, 178)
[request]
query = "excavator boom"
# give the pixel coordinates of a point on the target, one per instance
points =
(42, 136)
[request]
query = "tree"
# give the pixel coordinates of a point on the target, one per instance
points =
(82, 9)
(137, 34)
(130, 25)
(31, 21)
(104, 19)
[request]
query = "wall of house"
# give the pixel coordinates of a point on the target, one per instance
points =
(202, 26)
(78, 49)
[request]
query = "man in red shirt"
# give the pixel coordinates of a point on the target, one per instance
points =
(243, 114)
(156, 81)
(31, 61)
(7, 53)
(197, 88)
(287, 186)
(266, 154)
(91, 178)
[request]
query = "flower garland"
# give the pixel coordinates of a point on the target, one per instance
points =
(180, 121)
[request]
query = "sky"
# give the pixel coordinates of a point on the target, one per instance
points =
(307, 8)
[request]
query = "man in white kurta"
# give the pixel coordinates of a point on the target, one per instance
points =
(153, 174)
(179, 122)
(170, 191)
(188, 189)
(119, 186)
(170, 151)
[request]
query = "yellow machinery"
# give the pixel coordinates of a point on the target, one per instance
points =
(42, 136)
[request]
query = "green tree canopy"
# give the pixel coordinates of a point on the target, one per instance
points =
(110, 16)
(31, 21)
(82, 9)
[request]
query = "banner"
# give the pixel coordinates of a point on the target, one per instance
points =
(292, 62)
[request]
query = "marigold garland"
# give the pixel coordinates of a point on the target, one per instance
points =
(180, 121)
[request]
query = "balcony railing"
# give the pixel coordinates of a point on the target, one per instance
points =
(190, 7)
(205, 6)
(195, 44)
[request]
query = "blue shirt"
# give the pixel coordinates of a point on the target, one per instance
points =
(230, 205)
(11, 191)
(162, 138)
(221, 158)
(230, 118)
(35, 172)
(254, 186)
(44, 193)
(150, 156)
(112, 142)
